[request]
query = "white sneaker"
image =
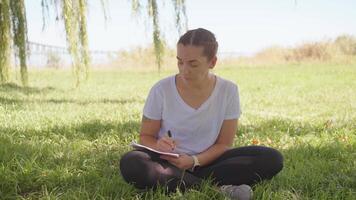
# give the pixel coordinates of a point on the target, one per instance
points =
(237, 192)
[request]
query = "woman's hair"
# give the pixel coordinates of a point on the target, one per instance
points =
(201, 37)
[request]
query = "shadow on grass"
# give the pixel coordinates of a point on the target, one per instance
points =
(311, 172)
(28, 169)
(85, 155)
(12, 87)
(278, 127)
(86, 102)
(19, 102)
(90, 130)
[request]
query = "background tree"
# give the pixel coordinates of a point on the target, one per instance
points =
(19, 30)
(152, 8)
(5, 40)
(13, 27)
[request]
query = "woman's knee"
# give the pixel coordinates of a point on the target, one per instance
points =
(134, 168)
(128, 163)
(275, 160)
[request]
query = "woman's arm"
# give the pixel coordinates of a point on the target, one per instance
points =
(223, 142)
(149, 132)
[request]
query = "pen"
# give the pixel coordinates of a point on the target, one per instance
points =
(170, 135)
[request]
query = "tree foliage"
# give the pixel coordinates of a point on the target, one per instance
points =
(5, 39)
(74, 16)
(152, 8)
(13, 28)
(19, 30)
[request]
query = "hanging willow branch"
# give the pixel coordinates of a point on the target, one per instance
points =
(13, 26)
(13, 17)
(153, 14)
(71, 33)
(74, 16)
(157, 41)
(136, 6)
(181, 15)
(83, 36)
(73, 13)
(19, 28)
(5, 39)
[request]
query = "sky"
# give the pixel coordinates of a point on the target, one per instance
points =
(240, 26)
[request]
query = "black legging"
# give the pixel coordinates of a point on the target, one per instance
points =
(243, 165)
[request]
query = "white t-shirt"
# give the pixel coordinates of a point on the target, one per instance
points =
(194, 129)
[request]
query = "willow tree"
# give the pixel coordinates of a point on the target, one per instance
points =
(153, 13)
(73, 12)
(13, 27)
(74, 16)
(5, 40)
(19, 30)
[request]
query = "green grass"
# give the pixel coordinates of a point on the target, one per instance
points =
(58, 142)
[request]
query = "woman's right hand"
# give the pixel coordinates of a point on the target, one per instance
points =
(166, 144)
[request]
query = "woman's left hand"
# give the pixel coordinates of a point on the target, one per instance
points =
(184, 161)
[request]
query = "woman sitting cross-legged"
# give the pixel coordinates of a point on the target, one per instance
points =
(201, 111)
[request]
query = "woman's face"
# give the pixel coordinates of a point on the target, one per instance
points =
(192, 64)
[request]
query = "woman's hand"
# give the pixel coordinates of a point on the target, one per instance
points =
(184, 161)
(166, 144)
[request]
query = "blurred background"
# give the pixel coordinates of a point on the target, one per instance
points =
(249, 33)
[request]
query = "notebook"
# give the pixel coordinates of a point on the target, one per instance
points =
(140, 146)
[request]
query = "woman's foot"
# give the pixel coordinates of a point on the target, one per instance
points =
(237, 192)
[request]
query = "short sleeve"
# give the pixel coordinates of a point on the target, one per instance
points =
(233, 110)
(154, 104)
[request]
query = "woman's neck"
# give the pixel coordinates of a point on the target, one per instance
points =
(199, 84)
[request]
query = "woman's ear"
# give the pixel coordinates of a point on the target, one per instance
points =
(213, 62)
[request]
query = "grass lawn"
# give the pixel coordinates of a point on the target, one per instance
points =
(58, 142)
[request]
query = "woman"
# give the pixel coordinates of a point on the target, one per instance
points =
(201, 112)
